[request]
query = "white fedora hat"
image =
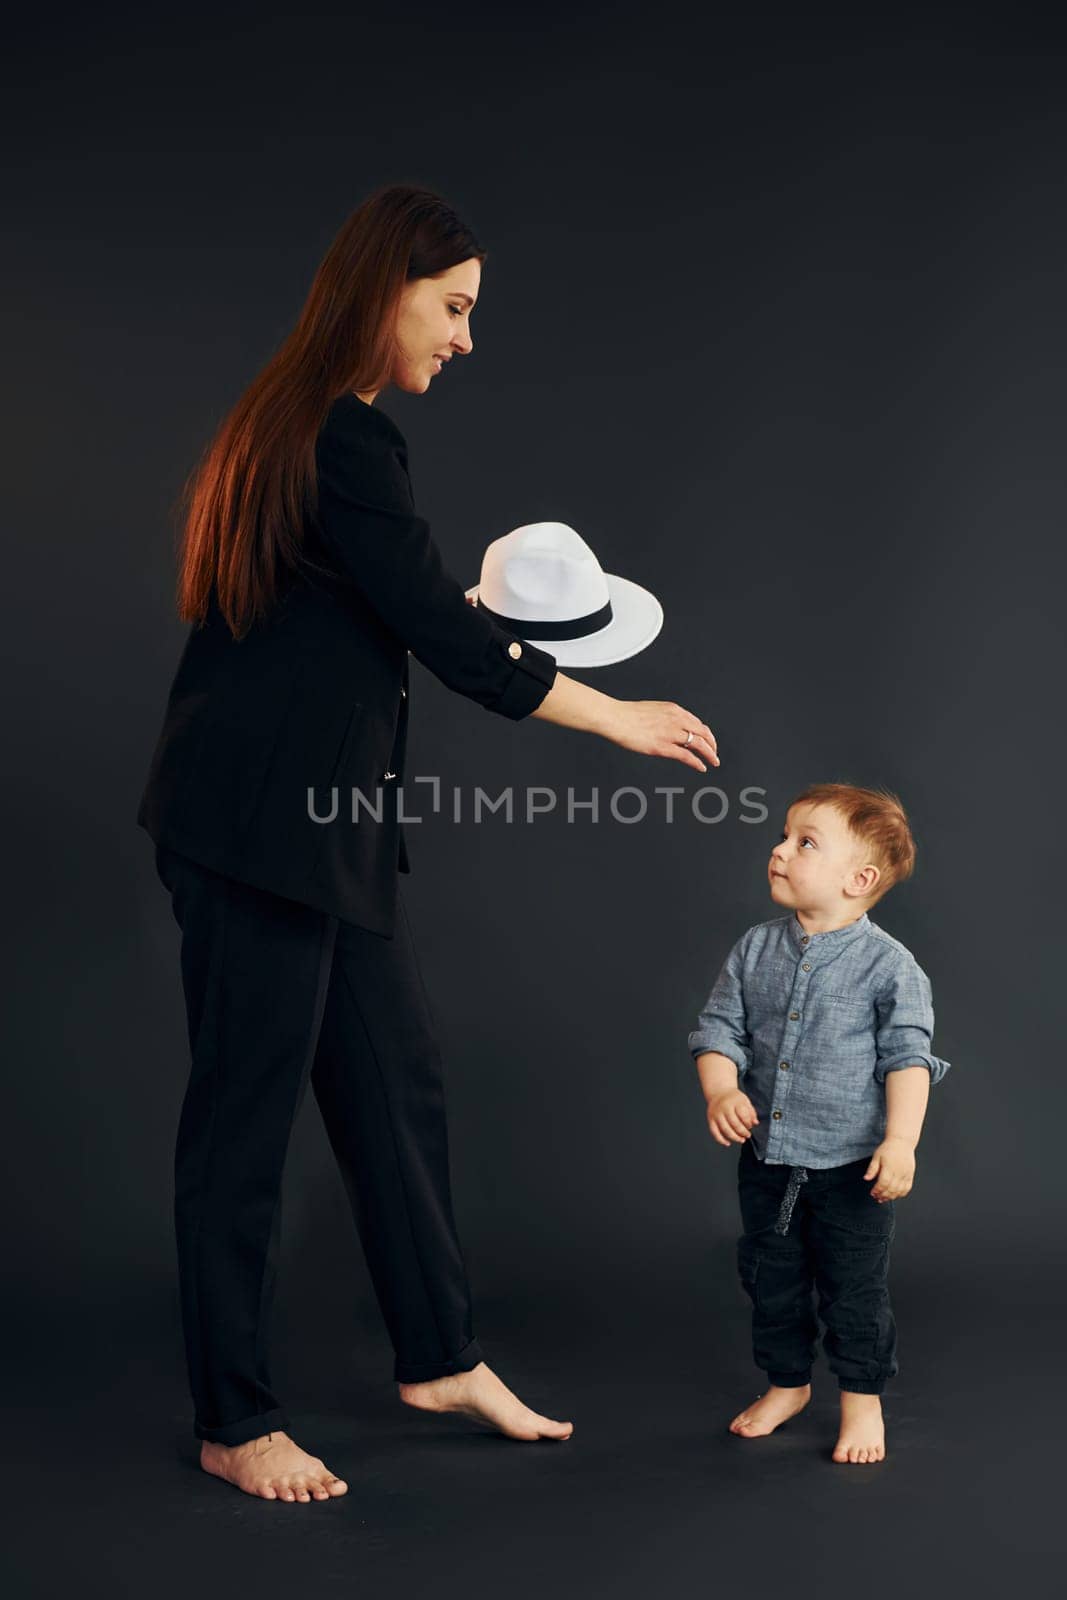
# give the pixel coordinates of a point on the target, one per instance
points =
(544, 583)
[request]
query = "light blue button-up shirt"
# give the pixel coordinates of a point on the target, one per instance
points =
(814, 1021)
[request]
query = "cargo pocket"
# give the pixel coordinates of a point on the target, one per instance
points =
(748, 1264)
(856, 1218)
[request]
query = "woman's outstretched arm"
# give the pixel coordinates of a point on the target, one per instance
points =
(651, 727)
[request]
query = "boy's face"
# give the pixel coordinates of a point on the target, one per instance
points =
(818, 866)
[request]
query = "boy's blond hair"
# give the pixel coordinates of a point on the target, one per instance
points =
(877, 818)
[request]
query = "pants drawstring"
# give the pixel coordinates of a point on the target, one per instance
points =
(797, 1176)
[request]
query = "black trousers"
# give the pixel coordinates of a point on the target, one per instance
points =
(822, 1233)
(277, 993)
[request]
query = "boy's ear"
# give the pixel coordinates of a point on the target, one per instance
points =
(865, 879)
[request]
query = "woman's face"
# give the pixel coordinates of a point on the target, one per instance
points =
(433, 324)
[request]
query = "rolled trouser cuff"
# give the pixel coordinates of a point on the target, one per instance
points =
(247, 1428)
(862, 1385)
(425, 1371)
(789, 1380)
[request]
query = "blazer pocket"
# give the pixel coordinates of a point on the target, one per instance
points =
(315, 730)
(348, 738)
(242, 725)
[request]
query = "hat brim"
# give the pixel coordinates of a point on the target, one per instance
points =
(636, 619)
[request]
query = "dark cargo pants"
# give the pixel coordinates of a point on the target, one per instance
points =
(835, 1242)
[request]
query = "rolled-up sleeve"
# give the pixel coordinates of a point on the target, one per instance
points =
(722, 1025)
(366, 515)
(905, 1024)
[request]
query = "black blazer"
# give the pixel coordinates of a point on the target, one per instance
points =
(316, 696)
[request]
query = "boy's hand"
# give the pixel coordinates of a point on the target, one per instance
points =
(731, 1116)
(893, 1164)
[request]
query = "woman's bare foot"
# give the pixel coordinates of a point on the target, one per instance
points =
(770, 1411)
(480, 1394)
(273, 1467)
(862, 1435)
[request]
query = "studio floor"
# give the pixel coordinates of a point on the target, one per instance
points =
(651, 1496)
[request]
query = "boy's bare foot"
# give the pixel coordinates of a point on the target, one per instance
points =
(770, 1411)
(862, 1435)
(272, 1467)
(480, 1394)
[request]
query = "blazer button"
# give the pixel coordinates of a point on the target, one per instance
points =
(514, 649)
(403, 694)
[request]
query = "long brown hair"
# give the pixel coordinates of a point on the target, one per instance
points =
(244, 506)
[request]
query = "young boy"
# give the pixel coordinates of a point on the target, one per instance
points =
(813, 1051)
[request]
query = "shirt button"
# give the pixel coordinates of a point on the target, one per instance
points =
(388, 774)
(403, 694)
(793, 1015)
(777, 1115)
(804, 940)
(783, 1066)
(806, 965)
(514, 649)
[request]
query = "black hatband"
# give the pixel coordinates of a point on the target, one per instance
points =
(573, 628)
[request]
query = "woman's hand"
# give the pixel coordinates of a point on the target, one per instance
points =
(731, 1116)
(659, 728)
(651, 727)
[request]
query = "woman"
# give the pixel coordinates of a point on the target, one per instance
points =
(308, 578)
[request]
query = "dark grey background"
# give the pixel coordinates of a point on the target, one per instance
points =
(773, 316)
